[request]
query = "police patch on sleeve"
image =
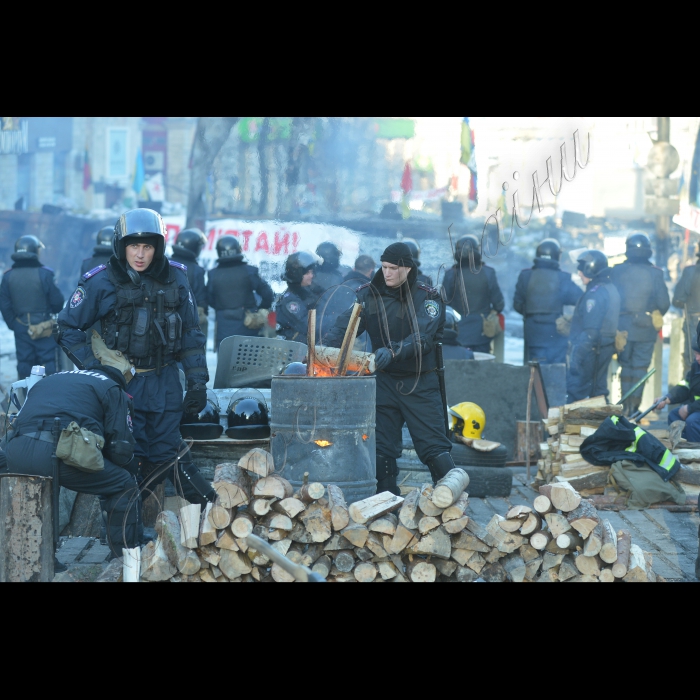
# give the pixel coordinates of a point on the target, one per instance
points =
(590, 305)
(293, 307)
(432, 308)
(78, 298)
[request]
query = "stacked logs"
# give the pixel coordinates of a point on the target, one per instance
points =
(562, 538)
(568, 427)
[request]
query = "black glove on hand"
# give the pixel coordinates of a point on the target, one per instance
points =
(383, 358)
(195, 400)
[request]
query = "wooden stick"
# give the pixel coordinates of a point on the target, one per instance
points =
(132, 565)
(349, 340)
(311, 339)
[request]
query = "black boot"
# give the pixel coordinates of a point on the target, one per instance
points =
(387, 471)
(441, 466)
(697, 562)
(194, 486)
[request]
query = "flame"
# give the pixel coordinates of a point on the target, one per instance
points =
(365, 437)
(324, 443)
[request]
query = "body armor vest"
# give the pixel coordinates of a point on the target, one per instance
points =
(28, 296)
(543, 293)
(231, 288)
(476, 287)
(144, 320)
(636, 286)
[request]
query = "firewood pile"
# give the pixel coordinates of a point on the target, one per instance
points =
(424, 537)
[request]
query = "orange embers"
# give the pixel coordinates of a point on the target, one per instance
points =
(324, 443)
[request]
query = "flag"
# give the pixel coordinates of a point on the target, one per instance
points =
(469, 158)
(139, 182)
(466, 142)
(87, 170)
(407, 188)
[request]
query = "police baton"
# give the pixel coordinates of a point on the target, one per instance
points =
(443, 389)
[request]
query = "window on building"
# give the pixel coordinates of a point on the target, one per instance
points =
(117, 143)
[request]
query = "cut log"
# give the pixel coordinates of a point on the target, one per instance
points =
(468, 541)
(226, 540)
(568, 569)
(233, 565)
(207, 532)
(454, 527)
(584, 519)
(427, 525)
(207, 576)
(425, 502)
(477, 563)
(607, 576)
(155, 565)
(299, 534)
(531, 525)
(565, 498)
(291, 507)
(445, 568)
(277, 521)
(532, 568)
(243, 524)
(344, 561)
(309, 493)
(543, 505)
(463, 575)
(386, 525)
(210, 554)
(340, 516)
(585, 579)
(494, 573)
(402, 539)
(589, 482)
(481, 533)
(594, 543)
(311, 555)
(570, 542)
(367, 573)
(132, 565)
(317, 521)
(608, 552)
(279, 575)
(449, 490)
(273, 486)
(261, 506)
(506, 543)
(420, 571)
(456, 511)
(356, 534)
(185, 560)
(435, 544)
(364, 554)
(189, 525)
(554, 548)
(540, 540)
(376, 506)
(387, 570)
(557, 524)
(515, 568)
(519, 513)
(637, 570)
(462, 556)
(258, 462)
(589, 566)
(220, 517)
(409, 515)
(375, 544)
(550, 576)
(232, 486)
(528, 553)
(336, 543)
(323, 566)
(552, 561)
(511, 526)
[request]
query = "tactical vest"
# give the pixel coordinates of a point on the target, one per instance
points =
(28, 295)
(477, 289)
(140, 324)
(669, 465)
(693, 303)
(612, 318)
(231, 288)
(543, 293)
(635, 284)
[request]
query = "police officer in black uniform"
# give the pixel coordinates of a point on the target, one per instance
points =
(415, 252)
(102, 251)
(186, 249)
(593, 329)
(147, 311)
(302, 295)
(483, 293)
(687, 298)
(541, 294)
(29, 296)
(330, 273)
(231, 289)
(643, 292)
(97, 401)
(452, 350)
(408, 390)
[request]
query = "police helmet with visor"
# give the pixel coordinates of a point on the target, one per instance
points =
(139, 226)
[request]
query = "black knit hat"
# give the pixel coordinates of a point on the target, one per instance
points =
(399, 254)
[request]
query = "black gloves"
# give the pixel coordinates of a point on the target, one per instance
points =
(195, 399)
(382, 359)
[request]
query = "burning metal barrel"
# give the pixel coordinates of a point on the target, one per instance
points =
(325, 426)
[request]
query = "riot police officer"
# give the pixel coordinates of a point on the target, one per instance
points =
(472, 289)
(147, 311)
(687, 298)
(404, 344)
(102, 251)
(28, 298)
(415, 252)
(593, 329)
(452, 350)
(231, 289)
(186, 249)
(330, 273)
(644, 302)
(541, 294)
(97, 401)
(302, 294)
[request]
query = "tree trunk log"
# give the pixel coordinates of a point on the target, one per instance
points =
(273, 486)
(356, 534)
(367, 573)
(450, 489)
(385, 525)
(608, 553)
(155, 565)
(207, 532)
(456, 511)
(594, 543)
(589, 566)
(584, 519)
(420, 571)
(540, 540)
(185, 560)
(409, 514)
(606, 576)
(564, 498)
(624, 547)
(232, 486)
(637, 571)
(454, 527)
(340, 516)
(258, 462)
(322, 566)
(227, 540)
(317, 521)
(568, 570)
(243, 524)
(543, 505)
(557, 524)
(220, 517)
(132, 565)
(291, 507)
(376, 506)
(426, 505)
(435, 544)
(570, 541)
(531, 525)
(309, 493)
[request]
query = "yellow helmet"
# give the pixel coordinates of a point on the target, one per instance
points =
(469, 420)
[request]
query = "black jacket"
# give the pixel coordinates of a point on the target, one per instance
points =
(482, 289)
(687, 293)
(688, 391)
(292, 309)
(196, 275)
(101, 256)
(230, 286)
(597, 313)
(545, 290)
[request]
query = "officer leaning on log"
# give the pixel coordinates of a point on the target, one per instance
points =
(96, 401)
(186, 249)
(593, 330)
(28, 298)
(147, 312)
(541, 294)
(231, 289)
(408, 390)
(644, 300)
(102, 251)
(687, 297)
